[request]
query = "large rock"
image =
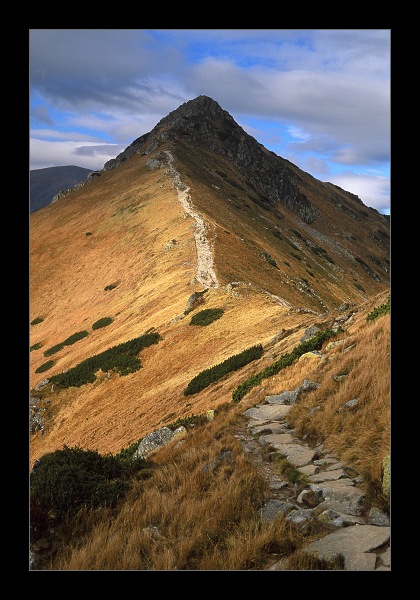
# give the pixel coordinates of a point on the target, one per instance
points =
(267, 413)
(297, 455)
(341, 495)
(152, 441)
(355, 543)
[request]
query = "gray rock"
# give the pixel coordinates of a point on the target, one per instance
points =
(341, 495)
(275, 427)
(297, 455)
(327, 476)
(349, 405)
(275, 439)
(151, 442)
(359, 561)
(291, 396)
(385, 557)
(288, 397)
(41, 384)
(377, 517)
(268, 412)
(310, 332)
(298, 517)
(275, 508)
(153, 164)
(308, 470)
(310, 498)
(350, 541)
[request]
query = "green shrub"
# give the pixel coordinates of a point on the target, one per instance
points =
(380, 311)
(296, 255)
(36, 346)
(286, 360)
(37, 320)
(54, 349)
(44, 367)
(88, 233)
(72, 339)
(209, 376)
(67, 479)
(102, 323)
(111, 286)
(121, 359)
(207, 316)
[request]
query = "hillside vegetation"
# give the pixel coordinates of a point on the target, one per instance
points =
(184, 509)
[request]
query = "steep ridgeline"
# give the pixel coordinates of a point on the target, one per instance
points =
(202, 121)
(242, 187)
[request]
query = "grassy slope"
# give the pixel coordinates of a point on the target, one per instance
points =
(132, 214)
(209, 520)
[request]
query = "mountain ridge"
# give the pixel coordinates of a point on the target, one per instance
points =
(46, 183)
(125, 248)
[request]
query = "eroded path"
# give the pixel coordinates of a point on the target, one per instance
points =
(205, 273)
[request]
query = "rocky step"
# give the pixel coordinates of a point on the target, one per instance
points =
(332, 496)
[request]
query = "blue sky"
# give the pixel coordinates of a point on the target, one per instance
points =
(317, 97)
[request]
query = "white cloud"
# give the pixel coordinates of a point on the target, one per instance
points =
(62, 135)
(80, 154)
(373, 190)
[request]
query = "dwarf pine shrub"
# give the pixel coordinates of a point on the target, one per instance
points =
(122, 359)
(286, 360)
(102, 322)
(72, 339)
(45, 366)
(206, 316)
(36, 346)
(380, 311)
(37, 320)
(65, 480)
(209, 376)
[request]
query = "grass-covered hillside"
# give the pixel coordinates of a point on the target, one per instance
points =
(173, 512)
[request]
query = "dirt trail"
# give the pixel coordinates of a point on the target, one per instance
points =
(205, 273)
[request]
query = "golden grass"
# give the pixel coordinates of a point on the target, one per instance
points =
(360, 436)
(132, 214)
(188, 515)
(206, 518)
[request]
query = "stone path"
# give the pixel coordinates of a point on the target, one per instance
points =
(332, 497)
(205, 273)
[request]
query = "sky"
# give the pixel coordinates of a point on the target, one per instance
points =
(318, 97)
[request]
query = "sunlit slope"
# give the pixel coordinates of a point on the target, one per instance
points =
(133, 217)
(123, 247)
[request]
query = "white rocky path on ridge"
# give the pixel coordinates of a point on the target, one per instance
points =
(205, 273)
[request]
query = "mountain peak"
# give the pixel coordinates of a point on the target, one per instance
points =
(203, 108)
(203, 124)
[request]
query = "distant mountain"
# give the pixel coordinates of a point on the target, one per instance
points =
(46, 183)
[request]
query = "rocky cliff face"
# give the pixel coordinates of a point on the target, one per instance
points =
(203, 122)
